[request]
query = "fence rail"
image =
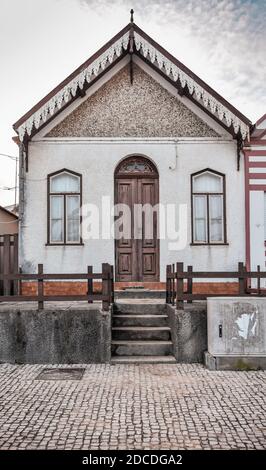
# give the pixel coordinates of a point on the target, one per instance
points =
(106, 296)
(175, 286)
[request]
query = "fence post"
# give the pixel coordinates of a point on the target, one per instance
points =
(105, 285)
(258, 281)
(90, 283)
(179, 286)
(20, 282)
(15, 265)
(173, 286)
(241, 279)
(189, 283)
(40, 287)
(110, 287)
(6, 264)
(112, 284)
(168, 285)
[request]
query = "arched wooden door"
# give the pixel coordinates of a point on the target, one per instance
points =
(137, 257)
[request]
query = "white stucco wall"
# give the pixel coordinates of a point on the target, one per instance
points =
(96, 160)
(257, 249)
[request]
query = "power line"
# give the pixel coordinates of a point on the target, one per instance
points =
(6, 188)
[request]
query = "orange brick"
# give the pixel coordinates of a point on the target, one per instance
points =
(80, 288)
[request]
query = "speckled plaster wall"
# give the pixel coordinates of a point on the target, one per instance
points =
(144, 109)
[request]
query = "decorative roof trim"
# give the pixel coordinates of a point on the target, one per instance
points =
(62, 97)
(260, 120)
(196, 91)
(145, 46)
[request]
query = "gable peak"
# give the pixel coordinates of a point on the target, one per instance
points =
(133, 40)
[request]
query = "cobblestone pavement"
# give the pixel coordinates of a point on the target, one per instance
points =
(132, 407)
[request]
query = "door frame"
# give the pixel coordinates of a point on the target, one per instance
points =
(153, 174)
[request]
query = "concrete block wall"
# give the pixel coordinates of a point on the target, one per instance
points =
(66, 335)
(188, 332)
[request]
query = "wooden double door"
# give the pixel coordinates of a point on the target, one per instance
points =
(137, 251)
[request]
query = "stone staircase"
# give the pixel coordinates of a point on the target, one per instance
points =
(140, 333)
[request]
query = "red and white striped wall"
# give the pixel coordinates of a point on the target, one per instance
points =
(255, 183)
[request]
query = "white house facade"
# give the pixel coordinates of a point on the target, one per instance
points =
(132, 126)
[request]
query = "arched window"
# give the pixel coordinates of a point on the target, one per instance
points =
(208, 207)
(64, 202)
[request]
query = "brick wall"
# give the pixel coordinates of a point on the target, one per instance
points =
(59, 288)
(80, 288)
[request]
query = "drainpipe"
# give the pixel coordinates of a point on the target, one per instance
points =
(21, 196)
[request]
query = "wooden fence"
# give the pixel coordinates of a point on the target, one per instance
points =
(8, 264)
(106, 296)
(175, 286)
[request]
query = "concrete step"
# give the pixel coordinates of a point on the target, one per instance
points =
(138, 308)
(160, 333)
(141, 348)
(143, 360)
(140, 294)
(140, 320)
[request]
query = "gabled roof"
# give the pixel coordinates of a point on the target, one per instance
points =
(133, 40)
(13, 208)
(261, 120)
(259, 129)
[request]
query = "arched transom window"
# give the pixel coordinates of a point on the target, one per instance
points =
(64, 202)
(208, 207)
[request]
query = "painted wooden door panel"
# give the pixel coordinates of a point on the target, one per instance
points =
(125, 245)
(148, 244)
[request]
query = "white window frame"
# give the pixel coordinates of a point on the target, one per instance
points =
(65, 195)
(208, 195)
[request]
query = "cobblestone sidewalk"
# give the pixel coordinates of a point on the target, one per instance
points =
(132, 407)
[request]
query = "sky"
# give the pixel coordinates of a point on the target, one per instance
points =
(43, 41)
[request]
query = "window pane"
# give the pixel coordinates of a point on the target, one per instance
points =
(216, 218)
(73, 219)
(57, 218)
(200, 218)
(207, 183)
(65, 183)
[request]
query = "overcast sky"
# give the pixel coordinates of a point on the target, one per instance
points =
(43, 41)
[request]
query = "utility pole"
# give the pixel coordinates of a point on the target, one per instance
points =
(16, 180)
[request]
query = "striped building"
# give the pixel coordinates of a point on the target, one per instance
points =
(255, 174)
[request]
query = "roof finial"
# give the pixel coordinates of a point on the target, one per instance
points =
(131, 15)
